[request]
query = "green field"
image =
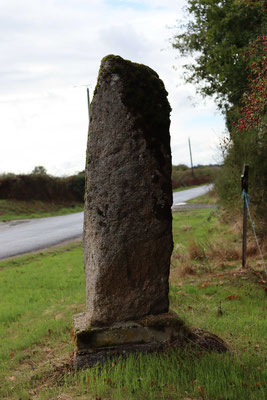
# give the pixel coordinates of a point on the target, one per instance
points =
(40, 292)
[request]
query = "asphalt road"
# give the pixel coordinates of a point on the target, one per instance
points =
(185, 195)
(23, 236)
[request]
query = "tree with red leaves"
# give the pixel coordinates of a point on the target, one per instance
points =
(227, 39)
(254, 99)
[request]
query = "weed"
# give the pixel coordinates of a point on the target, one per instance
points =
(196, 250)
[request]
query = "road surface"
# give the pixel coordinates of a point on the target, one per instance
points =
(185, 195)
(22, 236)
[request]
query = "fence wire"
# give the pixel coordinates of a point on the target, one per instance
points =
(245, 196)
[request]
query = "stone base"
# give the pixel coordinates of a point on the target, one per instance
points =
(152, 333)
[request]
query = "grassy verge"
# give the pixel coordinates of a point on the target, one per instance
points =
(41, 292)
(180, 189)
(208, 198)
(19, 209)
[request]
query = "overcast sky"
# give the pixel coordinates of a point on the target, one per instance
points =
(50, 50)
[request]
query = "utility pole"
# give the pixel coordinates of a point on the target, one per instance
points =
(244, 186)
(192, 168)
(88, 103)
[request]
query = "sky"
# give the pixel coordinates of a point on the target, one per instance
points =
(50, 52)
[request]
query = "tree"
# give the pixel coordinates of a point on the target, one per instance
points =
(39, 170)
(254, 107)
(248, 133)
(217, 35)
(228, 43)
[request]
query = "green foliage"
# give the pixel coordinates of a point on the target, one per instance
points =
(254, 100)
(245, 147)
(77, 185)
(227, 39)
(217, 34)
(182, 175)
(180, 167)
(248, 138)
(40, 170)
(40, 186)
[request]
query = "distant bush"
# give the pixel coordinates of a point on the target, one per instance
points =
(77, 185)
(40, 186)
(182, 175)
(39, 170)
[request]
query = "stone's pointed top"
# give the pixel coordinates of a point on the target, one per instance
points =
(112, 61)
(144, 95)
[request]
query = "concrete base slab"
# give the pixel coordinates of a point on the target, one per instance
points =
(149, 334)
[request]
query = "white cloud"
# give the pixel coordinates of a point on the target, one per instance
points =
(50, 50)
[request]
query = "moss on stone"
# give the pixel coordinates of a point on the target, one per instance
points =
(144, 94)
(169, 319)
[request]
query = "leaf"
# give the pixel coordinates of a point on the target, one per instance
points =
(201, 390)
(232, 297)
(72, 334)
(109, 381)
(11, 378)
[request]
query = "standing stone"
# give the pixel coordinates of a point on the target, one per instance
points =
(127, 219)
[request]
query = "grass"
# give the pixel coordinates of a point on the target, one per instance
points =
(19, 209)
(208, 198)
(180, 189)
(40, 293)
